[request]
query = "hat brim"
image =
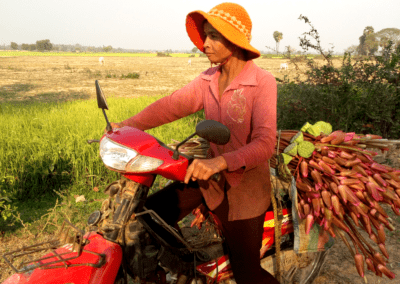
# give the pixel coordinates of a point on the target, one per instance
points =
(195, 30)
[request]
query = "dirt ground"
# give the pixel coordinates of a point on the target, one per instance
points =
(70, 78)
(67, 78)
(339, 267)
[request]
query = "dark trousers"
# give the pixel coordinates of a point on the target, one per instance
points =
(243, 237)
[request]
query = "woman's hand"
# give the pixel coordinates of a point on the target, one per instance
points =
(114, 125)
(203, 169)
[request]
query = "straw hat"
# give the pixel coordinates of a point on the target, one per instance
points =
(230, 19)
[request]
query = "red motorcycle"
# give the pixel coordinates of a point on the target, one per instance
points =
(126, 238)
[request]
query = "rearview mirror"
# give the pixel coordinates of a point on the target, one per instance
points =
(101, 99)
(213, 131)
(102, 103)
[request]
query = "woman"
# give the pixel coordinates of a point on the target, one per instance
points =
(242, 96)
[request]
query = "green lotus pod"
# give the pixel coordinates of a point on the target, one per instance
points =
(314, 130)
(286, 158)
(305, 149)
(291, 149)
(297, 138)
(305, 127)
(325, 127)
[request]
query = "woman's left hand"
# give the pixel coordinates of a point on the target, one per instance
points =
(203, 169)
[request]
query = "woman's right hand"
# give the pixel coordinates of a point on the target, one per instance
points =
(114, 125)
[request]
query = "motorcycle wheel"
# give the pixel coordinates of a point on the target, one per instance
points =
(120, 279)
(297, 269)
(161, 276)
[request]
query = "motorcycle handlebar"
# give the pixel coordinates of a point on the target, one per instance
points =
(216, 177)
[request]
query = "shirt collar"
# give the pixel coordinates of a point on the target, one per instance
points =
(245, 76)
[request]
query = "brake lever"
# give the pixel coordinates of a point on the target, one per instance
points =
(216, 177)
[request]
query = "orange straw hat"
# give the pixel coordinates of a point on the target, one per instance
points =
(230, 19)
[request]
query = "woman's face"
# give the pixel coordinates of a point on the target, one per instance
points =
(216, 46)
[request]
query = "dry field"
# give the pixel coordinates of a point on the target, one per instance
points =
(67, 78)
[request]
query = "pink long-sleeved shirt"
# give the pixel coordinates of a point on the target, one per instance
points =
(248, 108)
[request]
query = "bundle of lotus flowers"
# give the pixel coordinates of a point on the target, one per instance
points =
(340, 187)
(195, 147)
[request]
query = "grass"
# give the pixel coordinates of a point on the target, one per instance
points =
(45, 149)
(45, 163)
(130, 76)
(11, 91)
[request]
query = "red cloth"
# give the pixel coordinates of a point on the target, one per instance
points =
(248, 108)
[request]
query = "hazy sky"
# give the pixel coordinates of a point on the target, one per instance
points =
(160, 24)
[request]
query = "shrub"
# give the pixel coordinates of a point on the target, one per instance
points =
(111, 75)
(130, 76)
(356, 94)
(162, 54)
(346, 107)
(91, 74)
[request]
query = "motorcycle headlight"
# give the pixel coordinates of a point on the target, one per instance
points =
(122, 158)
(143, 164)
(114, 155)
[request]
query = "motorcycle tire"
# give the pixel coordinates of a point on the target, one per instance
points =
(304, 271)
(297, 269)
(120, 279)
(308, 274)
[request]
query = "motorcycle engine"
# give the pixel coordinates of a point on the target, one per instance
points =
(142, 250)
(117, 223)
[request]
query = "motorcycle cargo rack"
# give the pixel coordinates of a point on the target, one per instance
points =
(69, 237)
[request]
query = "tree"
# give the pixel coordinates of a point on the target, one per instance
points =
(107, 48)
(368, 44)
(64, 48)
(368, 30)
(43, 45)
(194, 49)
(351, 49)
(386, 35)
(32, 47)
(25, 46)
(277, 37)
(289, 51)
(14, 45)
(371, 43)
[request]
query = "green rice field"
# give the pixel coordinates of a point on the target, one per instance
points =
(44, 144)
